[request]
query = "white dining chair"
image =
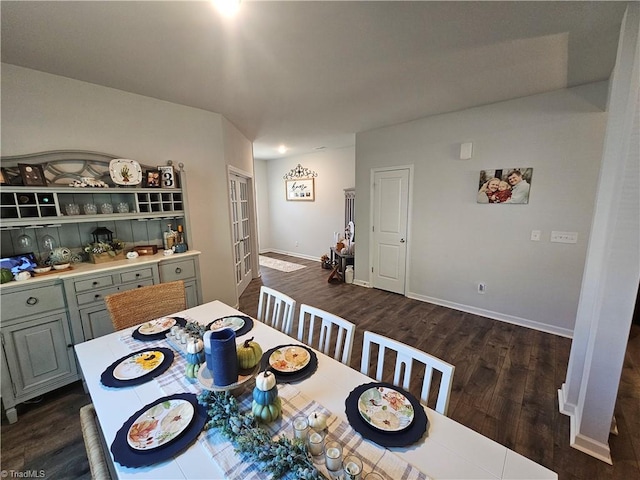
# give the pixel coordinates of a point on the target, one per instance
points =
(341, 346)
(405, 356)
(276, 309)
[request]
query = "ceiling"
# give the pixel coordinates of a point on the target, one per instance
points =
(312, 74)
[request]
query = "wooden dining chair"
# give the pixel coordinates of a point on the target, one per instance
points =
(341, 346)
(139, 305)
(98, 464)
(276, 309)
(405, 356)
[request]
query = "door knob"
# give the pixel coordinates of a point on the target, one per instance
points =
(402, 240)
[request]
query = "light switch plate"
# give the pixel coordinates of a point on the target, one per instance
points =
(564, 237)
(535, 235)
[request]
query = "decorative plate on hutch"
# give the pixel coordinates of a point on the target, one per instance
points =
(125, 172)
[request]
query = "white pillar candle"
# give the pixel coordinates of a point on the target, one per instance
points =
(333, 456)
(300, 427)
(316, 441)
(353, 467)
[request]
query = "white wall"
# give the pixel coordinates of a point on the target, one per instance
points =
(43, 112)
(310, 224)
(455, 243)
(260, 168)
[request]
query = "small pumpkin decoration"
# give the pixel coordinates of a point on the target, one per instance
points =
(265, 381)
(249, 354)
(267, 413)
(265, 397)
(195, 356)
(318, 421)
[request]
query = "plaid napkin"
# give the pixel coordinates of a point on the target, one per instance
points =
(294, 403)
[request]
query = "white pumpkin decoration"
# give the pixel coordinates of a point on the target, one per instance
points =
(195, 345)
(318, 421)
(265, 381)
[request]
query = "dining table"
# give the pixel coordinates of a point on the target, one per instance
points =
(447, 450)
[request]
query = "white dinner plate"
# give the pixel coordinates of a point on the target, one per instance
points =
(160, 424)
(125, 172)
(158, 325)
(234, 323)
(385, 409)
(289, 359)
(138, 365)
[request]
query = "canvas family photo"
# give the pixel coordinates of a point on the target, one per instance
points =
(505, 185)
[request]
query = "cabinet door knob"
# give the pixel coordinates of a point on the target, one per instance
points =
(95, 283)
(32, 301)
(96, 296)
(137, 275)
(70, 345)
(178, 270)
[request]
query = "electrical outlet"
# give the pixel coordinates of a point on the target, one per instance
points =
(482, 288)
(296, 243)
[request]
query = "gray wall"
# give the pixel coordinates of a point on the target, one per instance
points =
(454, 242)
(42, 112)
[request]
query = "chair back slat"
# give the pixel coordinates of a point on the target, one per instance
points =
(345, 332)
(276, 309)
(406, 356)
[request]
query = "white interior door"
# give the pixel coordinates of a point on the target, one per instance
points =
(389, 232)
(241, 231)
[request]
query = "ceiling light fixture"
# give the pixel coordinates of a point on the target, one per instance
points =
(228, 8)
(282, 149)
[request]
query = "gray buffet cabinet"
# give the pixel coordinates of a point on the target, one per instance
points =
(45, 316)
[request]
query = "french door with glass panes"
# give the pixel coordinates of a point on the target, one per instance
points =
(241, 231)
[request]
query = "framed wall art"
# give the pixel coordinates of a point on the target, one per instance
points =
(32, 175)
(505, 185)
(300, 190)
(152, 179)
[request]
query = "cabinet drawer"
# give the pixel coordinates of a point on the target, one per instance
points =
(170, 272)
(136, 275)
(93, 283)
(97, 296)
(32, 301)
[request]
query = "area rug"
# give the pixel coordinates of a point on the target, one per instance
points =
(279, 264)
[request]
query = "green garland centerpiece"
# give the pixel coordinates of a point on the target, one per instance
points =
(253, 443)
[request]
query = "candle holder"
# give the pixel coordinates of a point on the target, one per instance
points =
(316, 442)
(352, 468)
(333, 456)
(300, 428)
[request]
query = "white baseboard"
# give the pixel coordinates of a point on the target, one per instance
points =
(291, 254)
(591, 447)
(565, 407)
(523, 322)
(585, 444)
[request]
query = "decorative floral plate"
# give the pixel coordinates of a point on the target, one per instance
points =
(159, 325)
(125, 172)
(289, 359)
(138, 365)
(160, 424)
(234, 323)
(385, 409)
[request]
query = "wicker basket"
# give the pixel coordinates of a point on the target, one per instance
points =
(106, 257)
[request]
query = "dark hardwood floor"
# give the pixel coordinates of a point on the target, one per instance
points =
(505, 383)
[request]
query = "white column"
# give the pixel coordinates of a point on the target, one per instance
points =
(612, 269)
